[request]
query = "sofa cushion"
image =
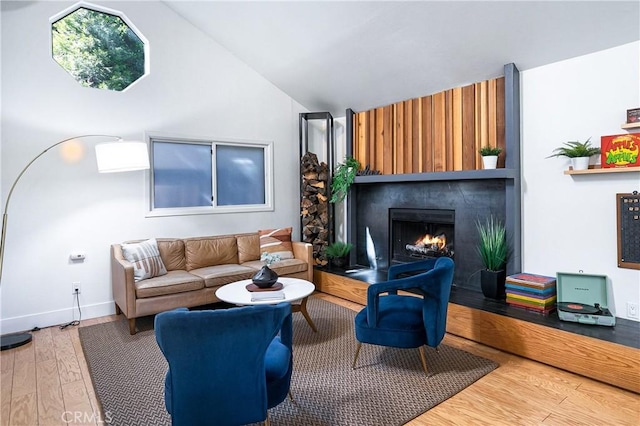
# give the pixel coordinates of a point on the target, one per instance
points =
(171, 283)
(172, 253)
(145, 258)
(282, 267)
(276, 241)
(248, 247)
(224, 274)
(210, 251)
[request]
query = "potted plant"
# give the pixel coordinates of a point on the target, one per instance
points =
(338, 252)
(343, 177)
(490, 156)
(492, 248)
(578, 152)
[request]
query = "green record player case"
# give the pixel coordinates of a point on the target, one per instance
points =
(583, 289)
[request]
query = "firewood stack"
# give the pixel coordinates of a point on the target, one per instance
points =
(314, 205)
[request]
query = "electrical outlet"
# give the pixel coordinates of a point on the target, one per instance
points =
(75, 288)
(632, 310)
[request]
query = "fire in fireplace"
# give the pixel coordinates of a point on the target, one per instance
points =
(420, 233)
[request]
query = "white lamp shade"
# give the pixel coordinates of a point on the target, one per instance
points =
(122, 156)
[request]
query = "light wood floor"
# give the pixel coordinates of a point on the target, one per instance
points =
(47, 383)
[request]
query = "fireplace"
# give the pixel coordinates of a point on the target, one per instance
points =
(417, 234)
(454, 207)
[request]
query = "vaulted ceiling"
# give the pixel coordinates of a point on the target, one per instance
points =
(332, 55)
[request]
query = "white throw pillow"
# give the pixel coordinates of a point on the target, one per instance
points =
(145, 258)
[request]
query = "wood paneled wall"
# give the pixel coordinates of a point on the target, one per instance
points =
(435, 133)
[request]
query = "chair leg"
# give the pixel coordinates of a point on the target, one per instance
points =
(353, 366)
(423, 358)
(266, 421)
(132, 326)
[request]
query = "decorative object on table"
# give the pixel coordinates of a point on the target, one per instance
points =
(578, 152)
(338, 252)
(620, 150)
(253, 288)
(633, 115)
(490, 156)
(266, 277)
(111, 157)
(261, 295)
(535, 293)
(343, 177)
(628, 229)
(583, 298)
(269, 258)
(493, 253)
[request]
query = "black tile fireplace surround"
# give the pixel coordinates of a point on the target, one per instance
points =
(470, 200)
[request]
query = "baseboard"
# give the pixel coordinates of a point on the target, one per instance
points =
(51, 318)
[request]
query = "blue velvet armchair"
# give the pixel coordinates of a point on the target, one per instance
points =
(407, 321)
(226, 366)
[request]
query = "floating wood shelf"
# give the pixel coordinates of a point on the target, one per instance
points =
(598, 169)
(627, 126)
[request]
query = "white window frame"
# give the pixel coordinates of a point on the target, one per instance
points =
(108, 11)
(267, 146)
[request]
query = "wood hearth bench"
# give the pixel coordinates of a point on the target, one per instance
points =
(608, 362)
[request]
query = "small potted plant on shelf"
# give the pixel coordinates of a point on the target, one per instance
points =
(578, 152)
(338, 252)
(490, 156)
(492, 248)
(343, 177)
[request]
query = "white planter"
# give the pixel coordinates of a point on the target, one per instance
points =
(489, 161)
(580, 163)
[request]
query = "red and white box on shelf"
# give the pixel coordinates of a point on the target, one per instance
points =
(620, 150)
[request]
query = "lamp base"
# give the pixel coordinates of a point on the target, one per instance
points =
(10, 341)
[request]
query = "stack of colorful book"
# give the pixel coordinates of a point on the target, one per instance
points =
(532, 292)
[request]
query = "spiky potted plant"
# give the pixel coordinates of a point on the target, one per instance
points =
(338, 252)
(492, 248)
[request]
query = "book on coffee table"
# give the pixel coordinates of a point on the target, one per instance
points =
(267, 295)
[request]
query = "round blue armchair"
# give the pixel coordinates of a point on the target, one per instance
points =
(226, 366)
(407, 321)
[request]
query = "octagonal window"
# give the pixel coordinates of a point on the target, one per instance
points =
(98, 49)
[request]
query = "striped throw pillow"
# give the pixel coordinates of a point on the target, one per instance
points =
(145, 258)
(276, 241)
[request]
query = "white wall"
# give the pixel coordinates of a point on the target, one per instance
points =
(569, 222)
(195, 88)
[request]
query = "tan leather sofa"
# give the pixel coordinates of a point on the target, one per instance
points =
(196, 268)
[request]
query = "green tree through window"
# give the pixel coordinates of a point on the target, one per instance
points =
(98, 49)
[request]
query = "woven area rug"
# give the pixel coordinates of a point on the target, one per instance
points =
(388, 386)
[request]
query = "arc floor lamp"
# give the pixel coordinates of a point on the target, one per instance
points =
(114, 156)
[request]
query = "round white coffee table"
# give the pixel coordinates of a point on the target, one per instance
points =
(294, 289)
